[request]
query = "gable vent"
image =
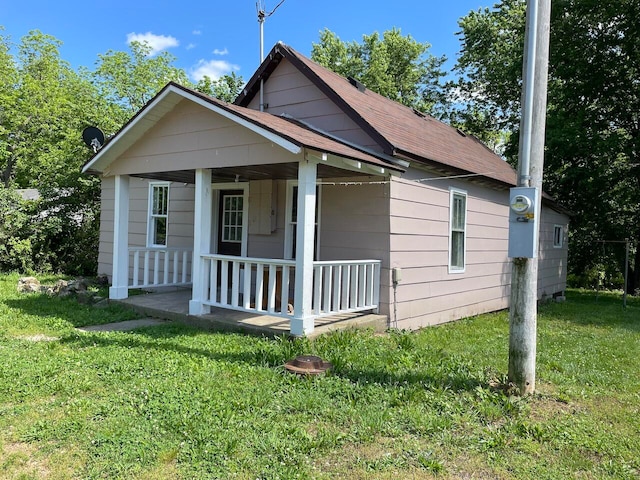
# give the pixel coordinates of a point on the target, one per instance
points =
(360, 86)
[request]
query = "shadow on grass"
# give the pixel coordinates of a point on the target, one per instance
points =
(274, 352)
(69, 310)
(268, 352)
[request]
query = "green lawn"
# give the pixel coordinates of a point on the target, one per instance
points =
(172, 402)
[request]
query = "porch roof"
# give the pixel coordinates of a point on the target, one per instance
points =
(284, 132)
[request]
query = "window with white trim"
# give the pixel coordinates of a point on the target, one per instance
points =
(158, 220)
(457, 230)
(558, 236)
(291, 227)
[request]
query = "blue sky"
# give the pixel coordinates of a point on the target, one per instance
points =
(218, 37)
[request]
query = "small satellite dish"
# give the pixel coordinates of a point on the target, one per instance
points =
(93, 137)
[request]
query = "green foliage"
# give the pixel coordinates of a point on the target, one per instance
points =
(174, 402)
(592, 163)
(226, 88)
(395, 66)
(15, 246)
(44, 107)
(131, 79)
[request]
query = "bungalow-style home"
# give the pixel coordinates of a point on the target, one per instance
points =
(311, 196)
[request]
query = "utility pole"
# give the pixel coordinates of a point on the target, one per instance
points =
(524, 277)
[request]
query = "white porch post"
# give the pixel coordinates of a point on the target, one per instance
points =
(302, 321)
(201, 241)
(120, 275)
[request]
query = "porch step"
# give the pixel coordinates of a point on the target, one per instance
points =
(174, 306)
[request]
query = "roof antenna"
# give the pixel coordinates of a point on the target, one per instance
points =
(262, 16)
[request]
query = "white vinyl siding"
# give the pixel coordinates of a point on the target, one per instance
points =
(457, 230)
(158, 220)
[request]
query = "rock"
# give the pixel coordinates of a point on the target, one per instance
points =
(78, 285)
(59, 285)
(28, 285)
(72, 287)
(102, 280)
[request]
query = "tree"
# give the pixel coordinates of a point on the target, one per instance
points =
(226, 88)
(396, 66)
(45, 105)
(593, 123)
(131, 79)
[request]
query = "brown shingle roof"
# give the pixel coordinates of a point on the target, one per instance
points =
(399, 130)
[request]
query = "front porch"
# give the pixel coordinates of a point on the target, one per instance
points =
(299, 291)
(174, 305)
(252, 293)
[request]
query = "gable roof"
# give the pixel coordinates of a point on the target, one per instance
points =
(282, 131)
(398, 129)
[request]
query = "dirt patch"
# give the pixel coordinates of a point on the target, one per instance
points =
(38, 338)
(19, 460)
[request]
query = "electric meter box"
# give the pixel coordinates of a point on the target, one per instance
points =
(523, 222)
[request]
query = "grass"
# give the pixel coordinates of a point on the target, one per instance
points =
(171, 402)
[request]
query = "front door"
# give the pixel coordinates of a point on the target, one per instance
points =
(230, 221)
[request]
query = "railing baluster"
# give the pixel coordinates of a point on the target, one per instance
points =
(362, 284)
(337, 288)
(272, 287)
(317, 289)
(346, 285)
(175, 266)
(145, 273)
(213, 280)
(246, 288)
(185, 257)
(259, 286)
(353, 293)
(136, 267)
(224, 281)
(375, 281)
(284, 295)
(156, 266)
(165, 267)
(328, 278)
(235, 283)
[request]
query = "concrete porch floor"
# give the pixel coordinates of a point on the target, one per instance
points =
(174, 305)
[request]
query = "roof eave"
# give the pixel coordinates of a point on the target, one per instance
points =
(94, 164)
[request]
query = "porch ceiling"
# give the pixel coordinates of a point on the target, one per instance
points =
(281, 171)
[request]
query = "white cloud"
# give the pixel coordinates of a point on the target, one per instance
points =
(213, 69)
(157, 43)
(217, 51)
(190, 46)
(197, 32)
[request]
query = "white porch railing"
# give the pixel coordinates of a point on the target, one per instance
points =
(251, 284)
(263, 285)
(345, 286)
(159, 267)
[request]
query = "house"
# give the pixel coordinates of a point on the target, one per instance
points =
(310, 196)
